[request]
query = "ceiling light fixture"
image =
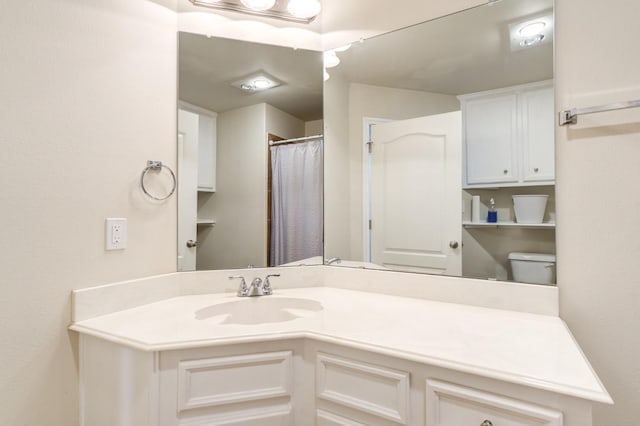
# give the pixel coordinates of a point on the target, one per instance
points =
(533, 32)
(304, 8)
(532, 40)
(300, 11)
(256, 82)
(534, 28)
(259, 4)
(331, 59)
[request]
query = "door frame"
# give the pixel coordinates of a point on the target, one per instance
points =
(367, 125)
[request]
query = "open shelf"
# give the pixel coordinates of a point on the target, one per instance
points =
(546, 225)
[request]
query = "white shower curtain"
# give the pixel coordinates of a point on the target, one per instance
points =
(296, 208)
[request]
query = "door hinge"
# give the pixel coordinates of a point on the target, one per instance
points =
(369, 146)
(370, 224)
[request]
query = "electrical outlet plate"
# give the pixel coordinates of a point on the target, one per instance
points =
(115, 233)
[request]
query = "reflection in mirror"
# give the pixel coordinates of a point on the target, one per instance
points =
(430, 132)
(241, 202)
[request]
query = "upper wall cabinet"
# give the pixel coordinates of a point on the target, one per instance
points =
(206, 140)
(207, 153)
(508, 136)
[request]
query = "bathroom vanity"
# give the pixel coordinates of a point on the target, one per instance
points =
(171, 354)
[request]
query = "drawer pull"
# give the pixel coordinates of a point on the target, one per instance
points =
(486, 423)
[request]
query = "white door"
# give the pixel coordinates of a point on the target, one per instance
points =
(416, 194)
(187, 189)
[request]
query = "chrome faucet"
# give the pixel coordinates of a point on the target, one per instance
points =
(256, 288)
(335, 260)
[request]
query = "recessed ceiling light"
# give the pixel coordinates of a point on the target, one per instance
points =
(262, 83)
(259, 4)
(304, 8)
(256, 82)
(534, 28)
(531, 40)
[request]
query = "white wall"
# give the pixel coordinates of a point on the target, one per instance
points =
(598, 172)
(239, 205)
(88, 96)
(240, 194)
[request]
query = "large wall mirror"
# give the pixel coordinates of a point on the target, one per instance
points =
(434, 131)
(235, 98)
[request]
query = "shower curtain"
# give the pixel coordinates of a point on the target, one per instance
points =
(296, 207)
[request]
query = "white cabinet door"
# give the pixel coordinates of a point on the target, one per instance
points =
(509, 136)
(207, 153)
(490, 132)
(453, 405)
(537, 118)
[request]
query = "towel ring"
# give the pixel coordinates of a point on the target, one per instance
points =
(157, 166)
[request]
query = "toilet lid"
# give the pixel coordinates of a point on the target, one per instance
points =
(534, 257)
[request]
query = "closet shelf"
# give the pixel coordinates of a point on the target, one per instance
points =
(546, 225)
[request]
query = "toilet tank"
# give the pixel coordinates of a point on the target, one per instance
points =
(535, 268)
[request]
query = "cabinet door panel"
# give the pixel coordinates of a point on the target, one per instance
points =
(490, 135)
(453, 405)
(207, 154)
(538, 135)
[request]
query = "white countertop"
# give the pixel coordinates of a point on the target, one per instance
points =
(529, 349)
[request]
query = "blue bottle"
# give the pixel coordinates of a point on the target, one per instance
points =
(492, 214)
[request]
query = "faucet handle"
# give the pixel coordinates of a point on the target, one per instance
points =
(243, 290)
(266, 288)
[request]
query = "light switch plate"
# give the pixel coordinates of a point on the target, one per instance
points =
(115, 233)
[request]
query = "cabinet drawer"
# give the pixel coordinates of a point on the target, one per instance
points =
(453, 405)
(229, 380)
(379, 391)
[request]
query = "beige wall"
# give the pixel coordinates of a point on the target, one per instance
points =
(312, 128)
(239, 205)
(82, 82)
(598, 172)
(88, 96)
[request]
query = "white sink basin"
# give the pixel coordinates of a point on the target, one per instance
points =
(260, 310)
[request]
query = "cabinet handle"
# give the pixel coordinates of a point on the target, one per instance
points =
(505, 171)
(536, 170)
(486, 423)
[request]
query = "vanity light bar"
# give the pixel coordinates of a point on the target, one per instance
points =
(278, 11)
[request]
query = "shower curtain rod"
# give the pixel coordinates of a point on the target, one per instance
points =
(306, 138)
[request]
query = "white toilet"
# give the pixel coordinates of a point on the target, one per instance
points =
(535, 268)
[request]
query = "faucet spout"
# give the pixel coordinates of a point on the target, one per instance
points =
(255, 288)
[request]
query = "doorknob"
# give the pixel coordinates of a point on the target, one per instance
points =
(192, 243)
(453, 244)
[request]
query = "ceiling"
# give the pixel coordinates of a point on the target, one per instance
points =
(209, 66)
(462, 53)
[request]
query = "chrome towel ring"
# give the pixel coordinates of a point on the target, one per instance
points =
(157, 166)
